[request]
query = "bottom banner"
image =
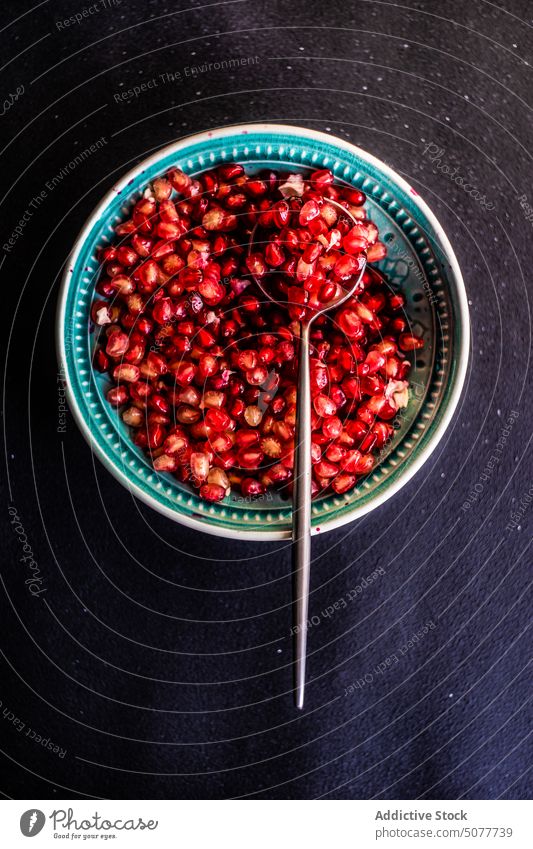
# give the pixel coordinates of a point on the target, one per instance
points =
(236, 824)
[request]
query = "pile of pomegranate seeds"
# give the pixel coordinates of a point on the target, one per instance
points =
(311, 253)
(204, 371)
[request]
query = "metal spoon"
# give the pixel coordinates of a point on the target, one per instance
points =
(301, 499)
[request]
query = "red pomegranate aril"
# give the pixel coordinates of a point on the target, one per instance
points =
(178, 179)
(309, 210)
(347, 266)
(175, 443)
(256, 264)
(117, 396)
(123, 285)
(156, 435)
(184, 373)
(218, 419)
(410, 342)
(165, 463)
(376, 252)
(372, 385)
(187, 415)
(322, 178)
(332, 427)
(380, 406)
(251, 488)
(246, 437)
(212, 492)
(343, 483)
(274, 255)
(349, 322)
(163, 311)
(368, 441)
(230, 171)
(325, 469)
(324, 406)
(127, 373)
(250, 458)
(100, 360)
(117, 344)
(199, 465)
(257, 376)
(213, 399)
(221, 442)
(281, 214)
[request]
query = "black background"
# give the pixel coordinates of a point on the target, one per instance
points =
(158, 657)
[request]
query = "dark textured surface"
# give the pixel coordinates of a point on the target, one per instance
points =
(157, 659)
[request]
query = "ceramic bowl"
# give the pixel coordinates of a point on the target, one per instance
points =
(420, 261)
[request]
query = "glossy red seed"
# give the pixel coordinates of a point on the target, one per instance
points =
(309, 210)
(257, 376)
(410, 342)
(251, 488)
(212, 492)
(250, 458)
(117, 395)
(343, 483)
(218, 419)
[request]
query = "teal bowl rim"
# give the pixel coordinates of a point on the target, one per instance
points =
(442, 414)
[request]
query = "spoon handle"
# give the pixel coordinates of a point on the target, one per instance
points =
(301, 518)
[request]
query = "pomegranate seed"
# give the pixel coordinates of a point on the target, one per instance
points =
(165, 463)
(309, 210)
(343, 483)
(221, 442)
(117, 396)
(212, 492)
(162, 311)
(219, 477)
(347, 266)
(214, 399)
(127, 373)
(281, 214)
(187, 415)
(324, 406)
(156, 435)
(376, 252)
(199, 465)
(250, 488)
(257, 376)
(325, 469)
(117, 344)
(408, 342)
(217, 419)
(175, 443)
(178, 179)
(321, 179)
(350, 323)
(332, 427)
(133, 417)
(253, 416)
(250, 458)
(247, 359)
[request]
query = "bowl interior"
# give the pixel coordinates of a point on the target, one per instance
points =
(416, 264)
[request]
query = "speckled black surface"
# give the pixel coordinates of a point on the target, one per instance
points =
(157, 659)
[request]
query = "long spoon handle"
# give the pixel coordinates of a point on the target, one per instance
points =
(301, 518)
